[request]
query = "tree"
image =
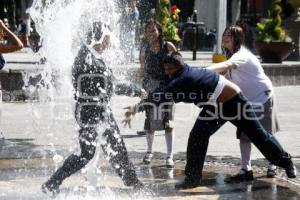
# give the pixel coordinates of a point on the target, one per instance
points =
(186, 7)
(271, 28)
(168, 21)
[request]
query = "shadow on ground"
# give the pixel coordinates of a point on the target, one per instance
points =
(25, 166)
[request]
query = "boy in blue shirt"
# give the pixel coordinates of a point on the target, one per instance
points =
(221, 101)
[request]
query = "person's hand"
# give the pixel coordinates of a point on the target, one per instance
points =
(144, 94)
(129, 114)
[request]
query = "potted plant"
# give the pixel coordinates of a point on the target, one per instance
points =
(271, 40)
(169, 21)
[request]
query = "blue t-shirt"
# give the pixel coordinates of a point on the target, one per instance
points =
(2, 61)
(189, 85)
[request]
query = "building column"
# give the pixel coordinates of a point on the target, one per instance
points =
(222, 22)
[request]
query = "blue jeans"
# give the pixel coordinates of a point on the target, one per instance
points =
(232, 111)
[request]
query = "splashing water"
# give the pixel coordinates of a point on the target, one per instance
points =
(62, 25)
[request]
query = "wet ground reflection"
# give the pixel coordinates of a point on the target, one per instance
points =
(162, 180)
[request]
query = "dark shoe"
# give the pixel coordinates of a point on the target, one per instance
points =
(50, 188)
(143, 190)
(188, 183)
(138, 185)
(271, 173)
(141, 133)
(242, 176)
(291, 171)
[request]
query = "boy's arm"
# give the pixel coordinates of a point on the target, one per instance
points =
(156, 97)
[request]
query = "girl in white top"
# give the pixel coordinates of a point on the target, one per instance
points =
(244, 69)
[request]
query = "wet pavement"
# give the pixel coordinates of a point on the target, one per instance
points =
(21, 179)
(23, 173)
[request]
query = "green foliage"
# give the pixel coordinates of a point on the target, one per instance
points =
(271, 28)
(169, 26)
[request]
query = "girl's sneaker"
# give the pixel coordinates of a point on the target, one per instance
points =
(169, 162)
(147, 158)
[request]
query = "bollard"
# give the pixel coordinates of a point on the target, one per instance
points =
(195, 42)
(195, 26)
(191, 35)
(195, 35)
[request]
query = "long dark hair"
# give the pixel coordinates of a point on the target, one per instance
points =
(159, 28)
(238, 38)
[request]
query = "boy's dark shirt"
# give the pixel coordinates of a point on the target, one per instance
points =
(96, 79)
(188, 85)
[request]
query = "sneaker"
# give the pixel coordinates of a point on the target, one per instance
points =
(143, 190)
(243, 175)
(147, 158)
(291, 171)
(48, 188)
(188, 183)
(136, 183)
(271, 172)
(169, 162)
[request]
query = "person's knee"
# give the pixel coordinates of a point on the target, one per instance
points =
(88, 153)
(244, 138)
(150, 131)
(199, 135)
(169, 130)
(87, 142)
(244, 141)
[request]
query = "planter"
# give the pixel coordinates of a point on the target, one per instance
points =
(216, 58)
(273, 52)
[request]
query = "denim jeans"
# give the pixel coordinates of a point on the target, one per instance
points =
(239, 112)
